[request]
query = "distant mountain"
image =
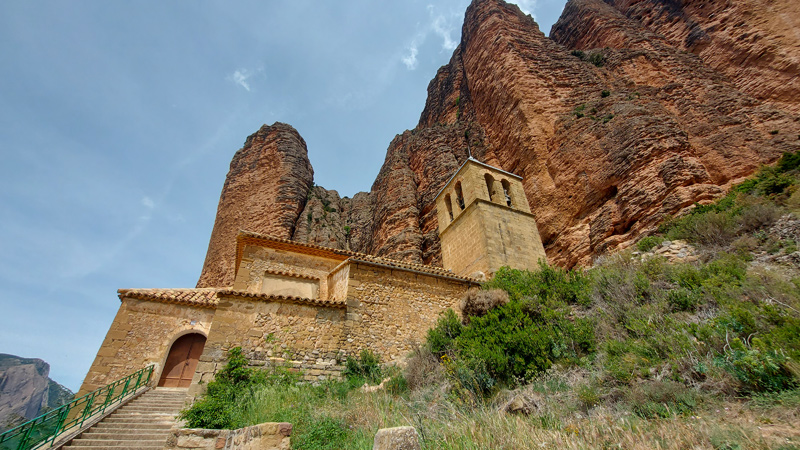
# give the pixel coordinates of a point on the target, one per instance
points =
(26, 391)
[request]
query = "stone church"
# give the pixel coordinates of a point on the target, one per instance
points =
(308, 307)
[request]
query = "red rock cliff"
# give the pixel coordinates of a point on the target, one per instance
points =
(755, 44)
(609, 141)
(265, 191)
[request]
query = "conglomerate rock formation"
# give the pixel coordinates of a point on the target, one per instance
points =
(630, 112)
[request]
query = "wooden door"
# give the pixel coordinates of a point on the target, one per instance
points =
(182, 361)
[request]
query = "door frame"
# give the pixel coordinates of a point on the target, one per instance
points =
(172, 341)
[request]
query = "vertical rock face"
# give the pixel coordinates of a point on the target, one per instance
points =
(265, 191)
(755, 44)
(632, 111)
(26, 389)
(331, 221)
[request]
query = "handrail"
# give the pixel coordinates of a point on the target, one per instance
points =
(49, 425)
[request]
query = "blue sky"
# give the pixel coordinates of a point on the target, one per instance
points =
(118, 121)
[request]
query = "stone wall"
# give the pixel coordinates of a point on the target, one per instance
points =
(141, 334)
(337, 282)
(387, 310)
(272, 331)
(257, 261)
(514, 236)
(264, 436)
(464, 243)
(390, 310)
(294, 286)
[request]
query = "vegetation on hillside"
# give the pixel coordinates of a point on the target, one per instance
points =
(632, 353)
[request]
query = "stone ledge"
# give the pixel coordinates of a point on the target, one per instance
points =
(264, 436)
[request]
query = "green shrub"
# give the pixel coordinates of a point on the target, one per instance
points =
(441, 338)
(647, 243)
(588, 395)
(789, 162)
(322, 434)
(758, 370)
(662, 399)
(605, 94)
(218, 407)
(683, 299)
(578, 54)
(597, 59)
(547, 284)
(397, 385)
(366, 366)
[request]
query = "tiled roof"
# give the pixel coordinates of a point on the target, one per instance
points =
(428, 270)
(202, 297)
(282, 298)
(261, 239)
(291, 274)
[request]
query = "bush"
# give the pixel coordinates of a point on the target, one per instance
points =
(597, 59)
(441, 338)
(477, 302)
(323, 434)
(648, 243)
(758, 370)
(423, 369)
(217, 408)
(397, 385)
(605, 93)
(367, 366)
(662, 399)
(548, 284)
(710, 228)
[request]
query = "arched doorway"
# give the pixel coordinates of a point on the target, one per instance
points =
(182, 361)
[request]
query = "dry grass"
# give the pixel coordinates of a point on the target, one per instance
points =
(444, 424)
(477, 302)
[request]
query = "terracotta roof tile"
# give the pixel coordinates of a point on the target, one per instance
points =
(291, 274)
(282, 298)
(355, 256)
(202, 297)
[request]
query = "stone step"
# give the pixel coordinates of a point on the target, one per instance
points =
(139, 435)
(139, 429)
(151, 402)
(129, 446)
(119, 414)
(94, 443)
(135, 409)
(133, 421)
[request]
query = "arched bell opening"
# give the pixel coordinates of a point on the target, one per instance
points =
(182, 361)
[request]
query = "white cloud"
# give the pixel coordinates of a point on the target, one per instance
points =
(410, 60)
(441, 27)
(527, 6)
(240, 77)
(148, 202)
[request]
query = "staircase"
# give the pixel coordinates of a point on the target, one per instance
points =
(142, 423)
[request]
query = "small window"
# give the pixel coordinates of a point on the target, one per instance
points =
(459, 196)
(507, 192)
(449, 206)
(489, 185)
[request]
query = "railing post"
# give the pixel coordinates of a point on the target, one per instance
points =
(25, 437)
(62, 416)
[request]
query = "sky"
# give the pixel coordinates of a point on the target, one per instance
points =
(118, 121)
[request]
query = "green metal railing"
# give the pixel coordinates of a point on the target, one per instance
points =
(48, 426)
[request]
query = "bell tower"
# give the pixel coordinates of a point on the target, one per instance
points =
(485, 222)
